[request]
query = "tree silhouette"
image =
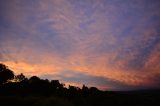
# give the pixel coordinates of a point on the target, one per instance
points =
(20, 77)
(55, 84)
(2, 67)
(85, 90)
(34, 79)
(35, 82)
(5, 74)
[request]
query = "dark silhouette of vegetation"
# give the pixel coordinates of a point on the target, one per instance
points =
(5, 74)
(18, 90)
(20, 78)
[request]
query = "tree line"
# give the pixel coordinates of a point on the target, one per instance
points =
(21, 85)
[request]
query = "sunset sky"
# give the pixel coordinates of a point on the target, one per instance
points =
(109, 44)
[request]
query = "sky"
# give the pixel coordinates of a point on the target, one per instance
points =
(109, 44)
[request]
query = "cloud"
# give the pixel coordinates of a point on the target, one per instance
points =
(78, 78)
(103, 40)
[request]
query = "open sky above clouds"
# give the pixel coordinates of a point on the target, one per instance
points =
(110, 44)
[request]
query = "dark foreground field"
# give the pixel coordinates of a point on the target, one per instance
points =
(147, 98)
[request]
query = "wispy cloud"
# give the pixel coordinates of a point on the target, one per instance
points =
(97, 40)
